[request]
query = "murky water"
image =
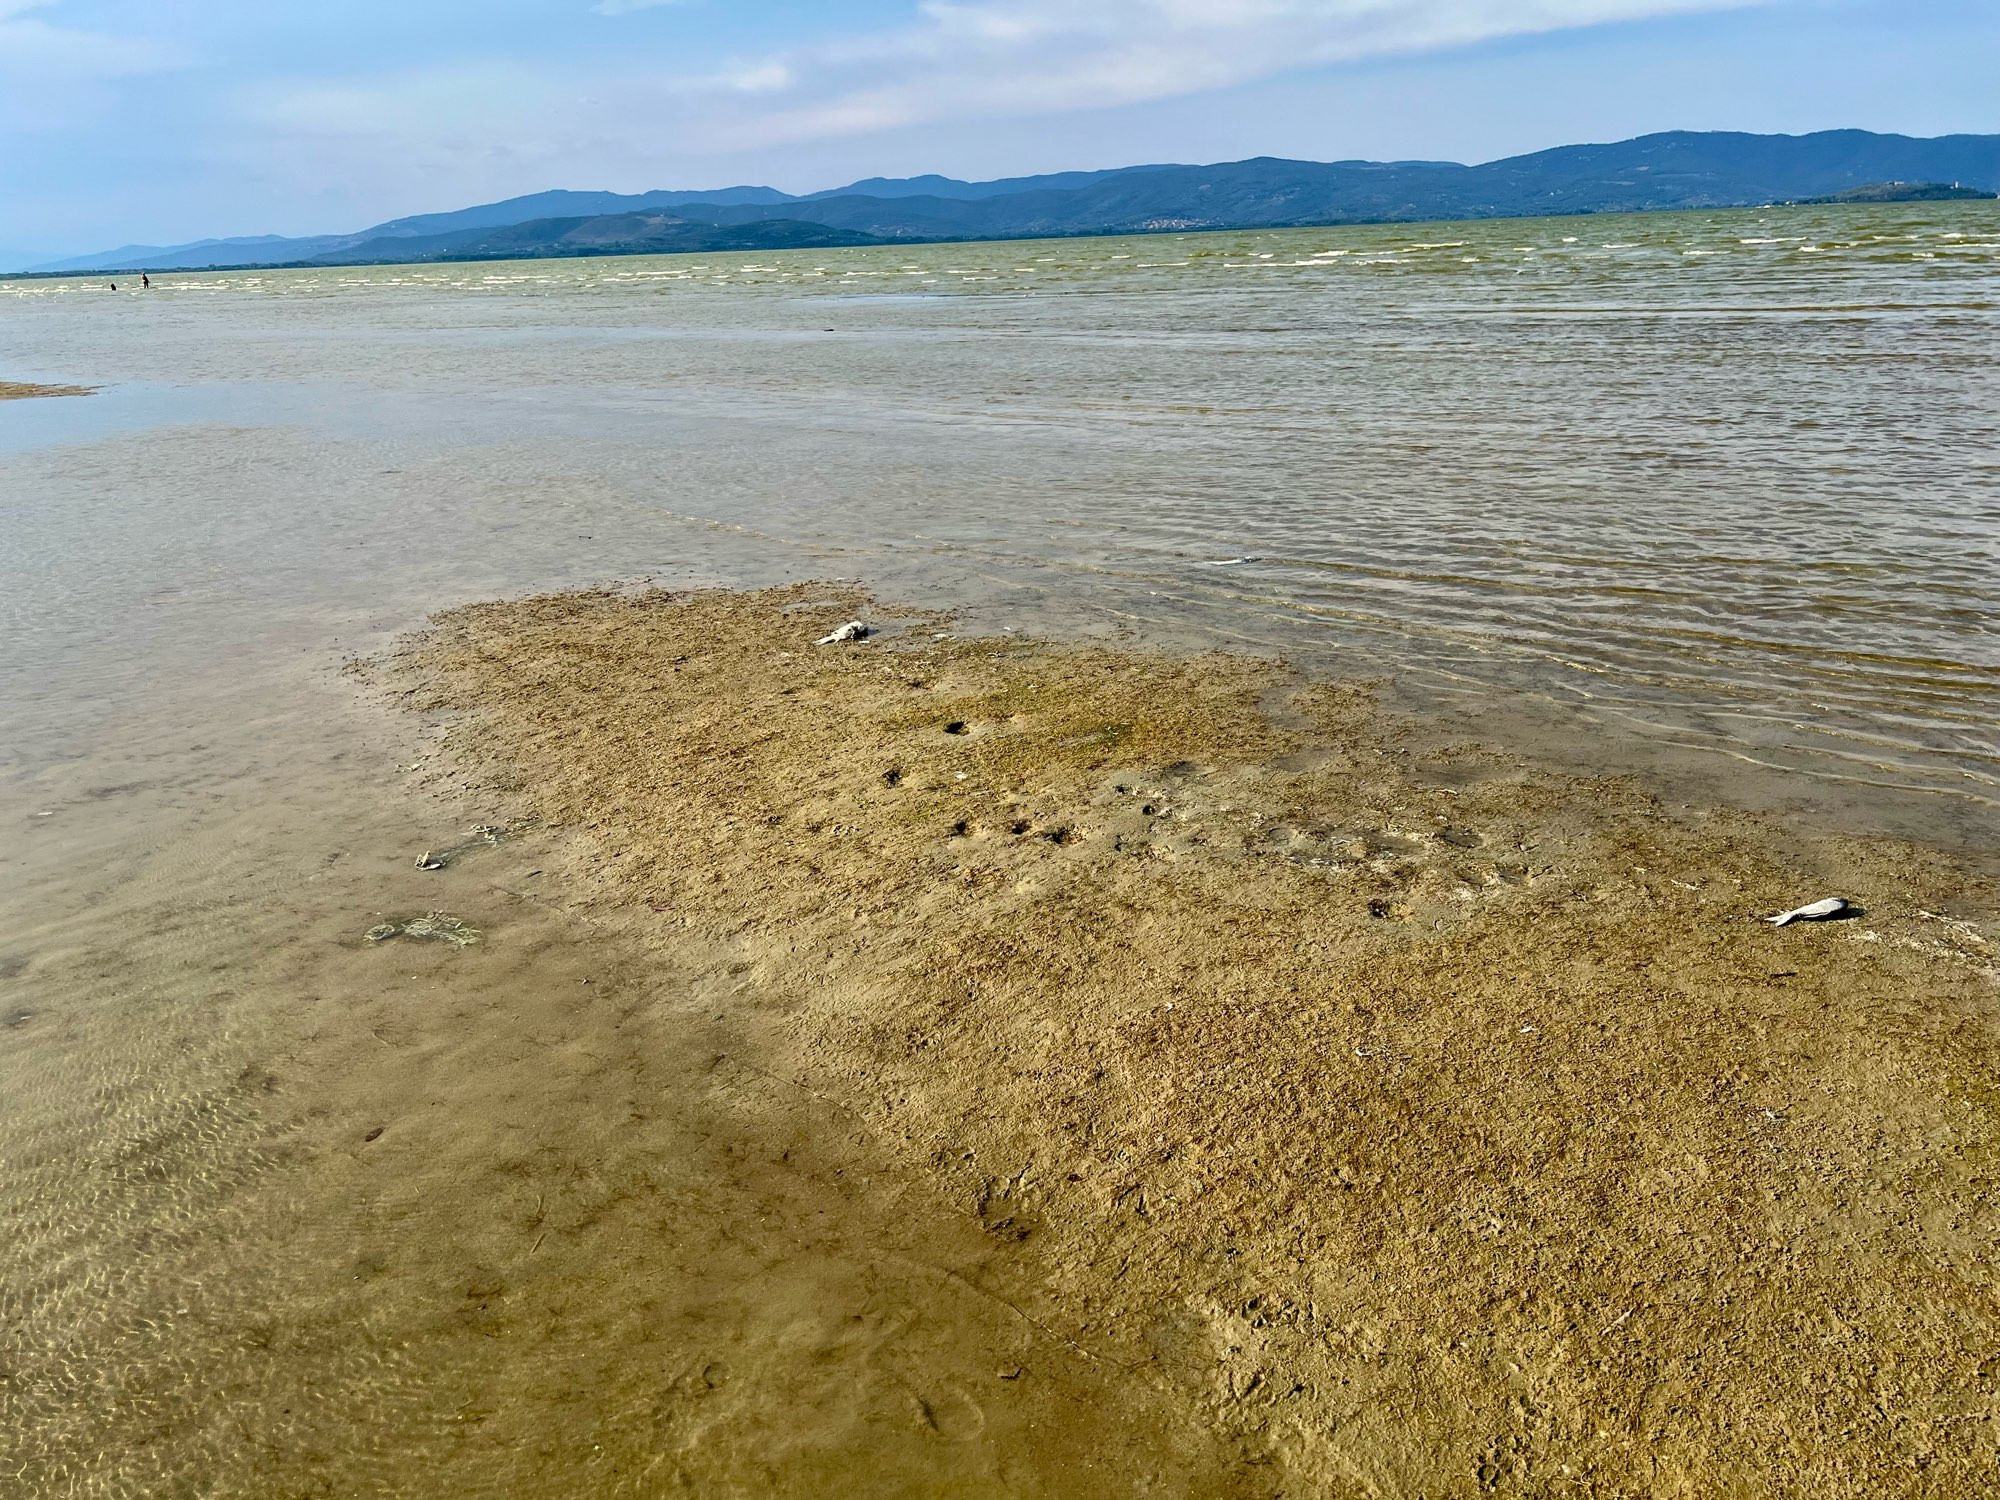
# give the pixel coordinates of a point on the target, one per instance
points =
(1725, 487)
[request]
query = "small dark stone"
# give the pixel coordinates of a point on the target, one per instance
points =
(375, 1134)
(956, 726)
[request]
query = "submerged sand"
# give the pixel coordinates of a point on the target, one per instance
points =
(1417, 1121)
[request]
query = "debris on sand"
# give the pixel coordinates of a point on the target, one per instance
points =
(482, 836)
(853, 630)
(1964, 929)
(435, 928)
(1819, 911)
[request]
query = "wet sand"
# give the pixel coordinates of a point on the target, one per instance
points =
(1259, 1095)
(1404, 1122)
(291, 1212)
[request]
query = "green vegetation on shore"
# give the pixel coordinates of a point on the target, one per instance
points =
(1903, 192)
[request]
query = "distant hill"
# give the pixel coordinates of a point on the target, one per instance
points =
(239, 251)
(1676, 169)
(563, 205)
(597, 234)
(1902, 192)
(277, 250)
(934, 186)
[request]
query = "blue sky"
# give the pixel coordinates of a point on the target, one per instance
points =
(166, 120)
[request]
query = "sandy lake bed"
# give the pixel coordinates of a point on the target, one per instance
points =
(1414, 1120)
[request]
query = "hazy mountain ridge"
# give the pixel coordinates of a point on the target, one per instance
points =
(933, 186)
(598, 234)
(564, 204)
(1675, 169)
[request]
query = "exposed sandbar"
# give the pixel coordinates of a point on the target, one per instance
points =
(14, 390)
(1436, 1121)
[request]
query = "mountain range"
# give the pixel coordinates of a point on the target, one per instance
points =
(1676, 169)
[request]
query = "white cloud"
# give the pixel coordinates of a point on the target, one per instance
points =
(998, 58)
(42, 52)
(951, 61)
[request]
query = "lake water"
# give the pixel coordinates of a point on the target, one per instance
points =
(1713, 495)
(1727, 480)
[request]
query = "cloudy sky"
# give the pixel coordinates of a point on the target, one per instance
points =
(156, 121)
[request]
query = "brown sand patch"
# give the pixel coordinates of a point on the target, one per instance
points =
(1438, 1125)
(14, 390)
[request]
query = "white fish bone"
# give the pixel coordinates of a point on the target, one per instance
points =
(1819, 911)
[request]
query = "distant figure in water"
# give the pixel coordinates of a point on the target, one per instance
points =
(114, 286)
(144, 279)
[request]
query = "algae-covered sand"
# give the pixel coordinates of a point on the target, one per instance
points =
(1429, 1123)
(14, 390)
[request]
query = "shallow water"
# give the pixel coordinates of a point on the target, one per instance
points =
(1700, 492)
(1731, 479)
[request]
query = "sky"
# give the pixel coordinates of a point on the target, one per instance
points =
(162, 121)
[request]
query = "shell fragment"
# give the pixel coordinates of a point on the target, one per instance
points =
(1819, 911)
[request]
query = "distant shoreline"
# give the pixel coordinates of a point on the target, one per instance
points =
(598, 253)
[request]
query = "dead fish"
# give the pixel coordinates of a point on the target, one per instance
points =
(1819, 911)
(853, 630)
